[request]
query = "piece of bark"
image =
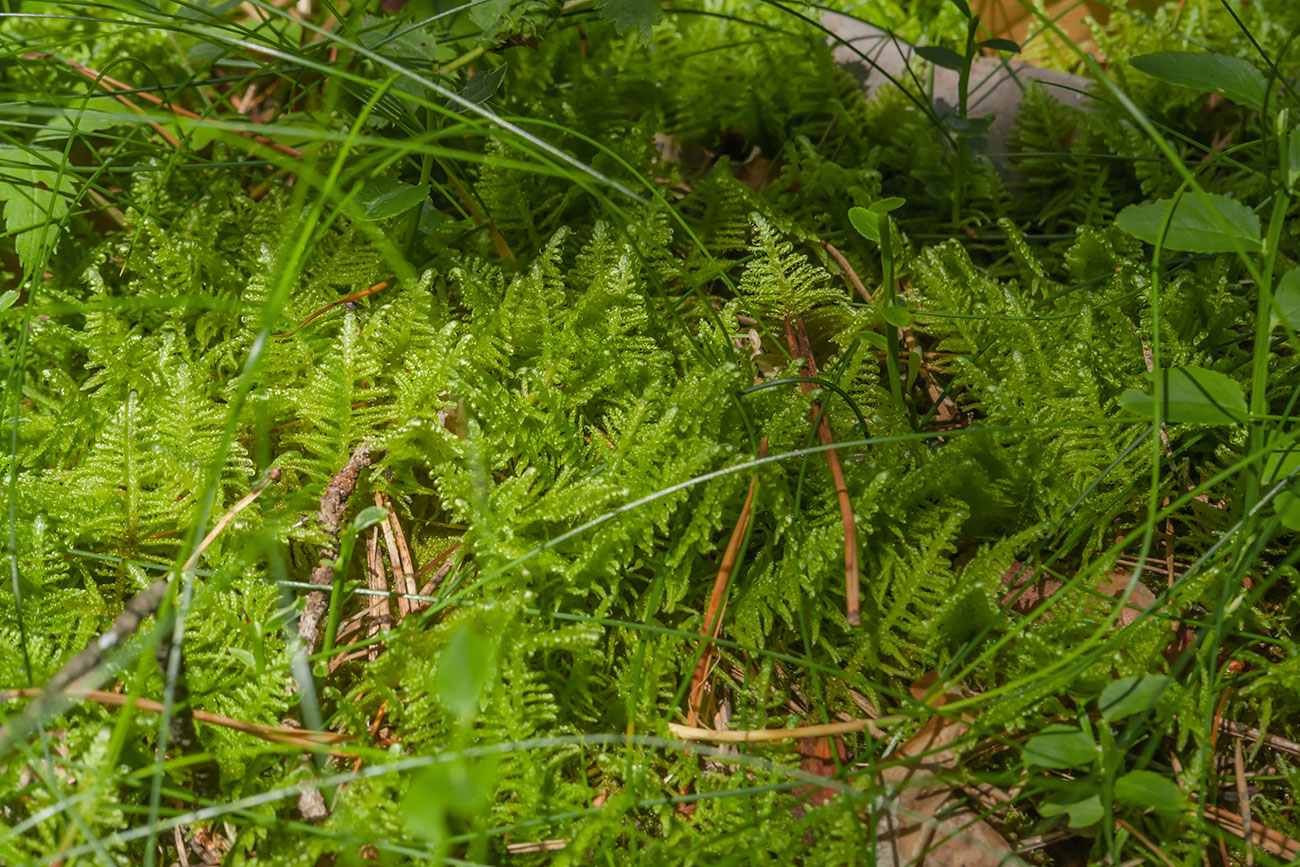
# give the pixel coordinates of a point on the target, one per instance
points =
(333, 508)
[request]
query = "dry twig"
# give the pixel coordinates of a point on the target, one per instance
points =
(333, 504)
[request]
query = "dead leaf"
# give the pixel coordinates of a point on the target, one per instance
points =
(929, 821)
(817, 759)
(1035, 589)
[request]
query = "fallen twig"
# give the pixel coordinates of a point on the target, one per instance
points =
(333, 504)
(399, 557)
(1273, 842)
(1237, 730)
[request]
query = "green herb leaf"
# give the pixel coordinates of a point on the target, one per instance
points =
(10, 296)
(941, 56)
(1060, 746)
(1149, 790)
(895, 314)
(202, 10)
(628, 14)
(1130, 695)
(1193, 228)
(459, 788)
(368, 517)
(384, 197)
(462, 671)
(1080, 799)
(1286, 300)
(1001, 45)
(1192, 394)
(480, 88)
(885, 205)
(866, 222)
(1232, 77)
(1280, 465)
(35, 195)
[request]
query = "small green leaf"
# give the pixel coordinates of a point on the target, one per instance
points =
(1281, 464)
(1060, 746)
(462, 671)
(1130, 695)
(1001, 45)
(895, 314)
(1286, 300)
(35, 193)
(10, 297)
(480, 88)
(941, 56)
(866, 222)
(1193, 229)
(1080, 799)
(384, 197)
(884, 206)
(962, 5)
(368, 517)
(1192, 394)
(1233, 77)
(874, 339)
(401, 41)
(458, 789)
(1149, 790)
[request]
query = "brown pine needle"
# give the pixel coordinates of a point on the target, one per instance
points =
(378, 287)
(272, 476)
(800, 347)
(848, 270)
(1243, 798)
(275, 734)
(109, 83)
(717, 606)
(399, 557)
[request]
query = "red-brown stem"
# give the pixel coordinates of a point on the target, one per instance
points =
(801, 348)
(105, 82)
(717, 607)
